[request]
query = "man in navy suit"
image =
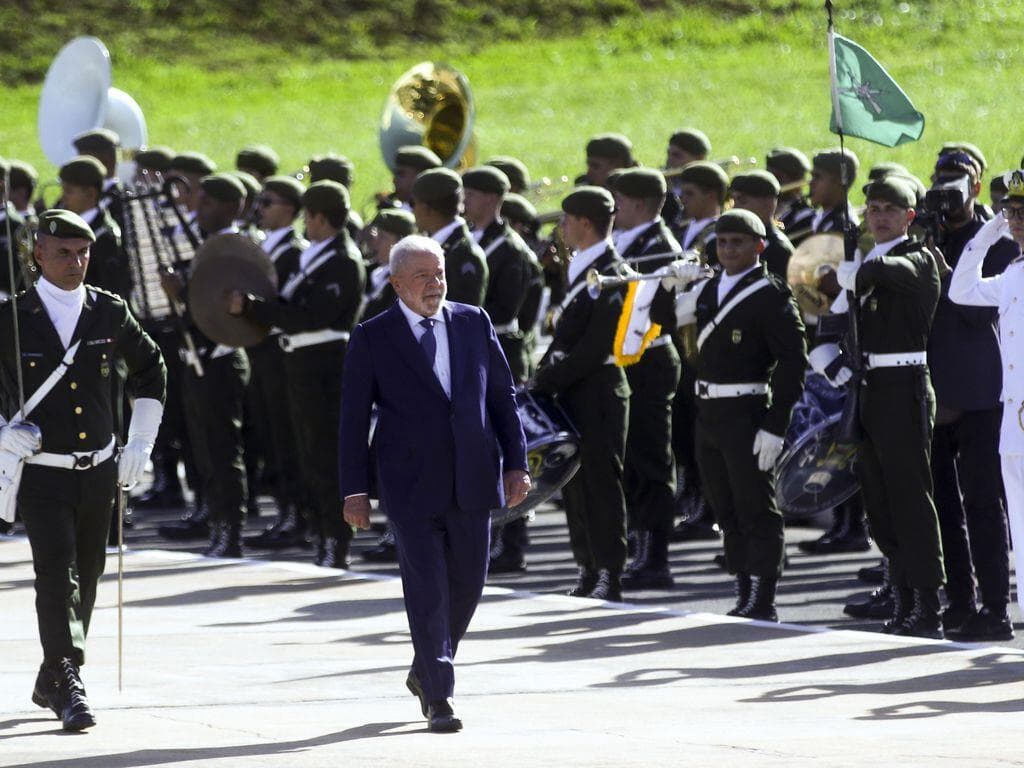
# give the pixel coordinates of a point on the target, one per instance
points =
(450, 447)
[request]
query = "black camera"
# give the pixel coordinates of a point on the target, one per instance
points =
(947, 196)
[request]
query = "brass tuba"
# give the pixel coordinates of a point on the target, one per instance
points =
(432, 105)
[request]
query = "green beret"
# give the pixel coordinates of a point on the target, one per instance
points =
(589, 202)
(331, 167)
(640, 182)
(193, 162)
(288, 187)
(259, 158)
(691, 140)
(612, 146)
(22, 174)
(970, 149)
(486, 178)
(832, 160)
(155, 158)
(96, 140)
(436, 184)
(741, 221)
(251, 183)
(396, 221)
(225, 187)
(878, 170)
(891, 189)
(326, 197)
(416, 156)
(920, 190)
(57, 222)
(789, 160)
(518, 208)
(706, 175)
(755, 183)
(83, 171)
(515, 169)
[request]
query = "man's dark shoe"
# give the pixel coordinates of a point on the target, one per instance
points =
(46, 692)
(441, 717)
(75, 711)
(585, 583)
(986, 626)
(413, 684)
(608, 586)
(878, 605)
(335, 554)
(507, 562)
(872, 574)
(385, 551)
(194, 524)
(954, 616)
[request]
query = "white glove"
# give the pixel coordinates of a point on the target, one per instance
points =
(767, 448)
(145, 423)
(21, 439)
(679, 274)
(842, 376)
(846, 275)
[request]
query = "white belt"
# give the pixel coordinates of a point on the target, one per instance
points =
(660, 341)
(219, 351)
(289, 342)
(507, 328)
(707, 391)
(77, 460)
(896, 359)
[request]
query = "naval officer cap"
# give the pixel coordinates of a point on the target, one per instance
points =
(755, 183)
(832, 161)
(258, 157)
(789, 161)
(1014, 182)
(691, 140)
(96, 140)
(640, 183)
(331, 167)
(486, 178)
(416, 156)
(193, 162)
(395, 221)
(740, 221)
(225, 187)
(83, 171)
(436, 184)
(611, 146)
(518, 208)
(326, 197)
(589, 203)
(892, 189)
(155, 158)
(288, 187)
(58, 222)
(514, 168)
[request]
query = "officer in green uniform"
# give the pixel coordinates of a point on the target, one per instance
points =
(332, 167)
(316, 308)
(410, 162)
(258, 160)
(103, 143)
(67, 489)
(750, 371)
(580, 369)
(650, 466)
(437, 204)
(897, 284)
(388, 227)
(758, 191)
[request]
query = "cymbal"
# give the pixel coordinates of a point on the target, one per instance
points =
(222, 264)
(816, 252)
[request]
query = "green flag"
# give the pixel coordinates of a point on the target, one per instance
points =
(866, 102)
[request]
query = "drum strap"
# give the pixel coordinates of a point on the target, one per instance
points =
(750, 290)
(495, 245)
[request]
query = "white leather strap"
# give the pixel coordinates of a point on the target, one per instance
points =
(729, 307)
(293, 341)
(707, 390)
(896, 359)
(77, 460)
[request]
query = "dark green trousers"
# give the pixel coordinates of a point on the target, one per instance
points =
(514, 347)
(897, 412)
(741, 495)
(67, 517)
(650, 466)
(595, 508)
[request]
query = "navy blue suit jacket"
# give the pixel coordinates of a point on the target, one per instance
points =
(432, 452)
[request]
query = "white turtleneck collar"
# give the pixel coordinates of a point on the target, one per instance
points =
(63, 307)
(582, 259)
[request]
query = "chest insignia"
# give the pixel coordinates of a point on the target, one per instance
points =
(873, 305)
(737, 335)
(105, 369)
(468, 268)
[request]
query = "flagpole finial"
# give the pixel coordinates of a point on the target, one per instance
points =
(828, 8)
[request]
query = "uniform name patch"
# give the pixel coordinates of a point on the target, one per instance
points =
(91, 342)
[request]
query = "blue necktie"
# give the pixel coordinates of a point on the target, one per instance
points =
(428, 341)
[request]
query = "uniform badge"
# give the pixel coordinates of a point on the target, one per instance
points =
(873, 305)
(105, 369)
(53, 227)
(468, 268)
(737, 335)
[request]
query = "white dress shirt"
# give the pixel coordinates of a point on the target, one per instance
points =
(726, 282)
(274, 238)
(581, 260)
(442, 359)
(314, 250)
(625, 237)
(63, 307)
(693, 229)
(445, 232)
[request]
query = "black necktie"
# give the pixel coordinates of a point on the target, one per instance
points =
(428, 341)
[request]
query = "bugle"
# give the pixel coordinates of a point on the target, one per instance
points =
(596, 282)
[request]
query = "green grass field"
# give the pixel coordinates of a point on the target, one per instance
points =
(750, 79)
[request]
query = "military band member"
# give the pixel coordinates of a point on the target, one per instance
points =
(516, 171)
(192, 167)
(790, 167)
(750, 370)
(685, 146)
(607, 152)
(702, 188)
(437, 204)
(246, 222)
(388, 227)
(969, 286)
(758, 191)
(258, 160)
(213, 402)
(23, 179)
(103, 143)
(67, 490)
(332, 167)
(897, 284)
(580, 369)
(317, 307)
(10, 222)
(521, 216)
(153, 160)
(410, 162)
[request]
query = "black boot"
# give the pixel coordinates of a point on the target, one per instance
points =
(902, 601)
(877, 605)
(652, 571)
(761, 602)
(46, 692)
(608, 586)
(75, 710)
(641, 543)
(335, 553)
(585, 583)
(287, 530)
(873, 574)
(165, 492)
(990, 624)
(847, 534)
(742, 587)
(194, 524)
(385, 551)
(226, 541)
(699, 525)
(924, 619)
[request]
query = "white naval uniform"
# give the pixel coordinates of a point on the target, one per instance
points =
(1005, 291)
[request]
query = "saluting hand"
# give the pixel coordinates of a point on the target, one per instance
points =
(517, 484)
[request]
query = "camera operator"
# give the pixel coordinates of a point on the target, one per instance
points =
(963, 356)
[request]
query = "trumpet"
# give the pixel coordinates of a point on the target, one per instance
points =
(596, 282)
